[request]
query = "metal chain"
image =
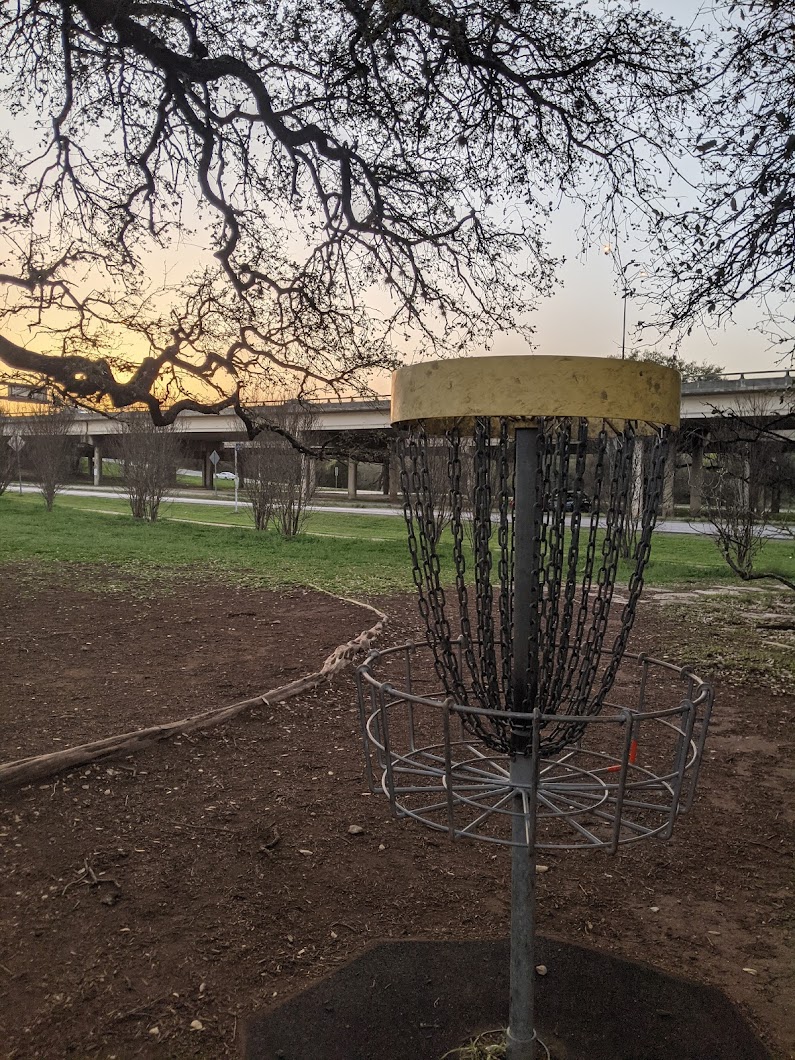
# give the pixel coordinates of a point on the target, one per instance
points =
(505, 564)
(579, 541)
(469, 643)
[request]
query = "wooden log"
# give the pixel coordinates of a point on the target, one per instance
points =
(37, 767)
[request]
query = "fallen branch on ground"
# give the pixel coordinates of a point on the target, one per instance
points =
(37, 767)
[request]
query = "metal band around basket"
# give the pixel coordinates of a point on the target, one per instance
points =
(528, 387)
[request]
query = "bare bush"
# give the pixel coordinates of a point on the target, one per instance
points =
(743, 476)
(437, 456)
(638, 471)
(150, 456)
(278, 478)
(6, 465)
(7, 453)
(259, 485)
(739, 531)
(51, 450)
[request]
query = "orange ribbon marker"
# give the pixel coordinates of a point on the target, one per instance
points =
(633, 754)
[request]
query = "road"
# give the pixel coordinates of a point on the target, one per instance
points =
(219, 501)
(664, 526)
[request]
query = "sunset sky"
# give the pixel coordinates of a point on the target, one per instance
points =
(584, 316)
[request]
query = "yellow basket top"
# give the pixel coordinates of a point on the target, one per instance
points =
(527, 387)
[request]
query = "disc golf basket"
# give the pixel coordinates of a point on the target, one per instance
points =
(522, 720)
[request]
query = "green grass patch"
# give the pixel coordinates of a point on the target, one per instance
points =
(689, 559)
(343, 553)
(358, 561)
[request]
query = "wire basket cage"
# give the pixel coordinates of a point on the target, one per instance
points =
(631, 772)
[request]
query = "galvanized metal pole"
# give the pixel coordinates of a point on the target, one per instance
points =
(236, 478)
(524, 767)
(521, 1032)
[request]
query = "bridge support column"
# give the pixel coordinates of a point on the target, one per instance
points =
(696, 476)
(393, 474)
(310, 476)
(747, 493)
(353, 476)
(207, 470)
(667, 507)
(96, 462)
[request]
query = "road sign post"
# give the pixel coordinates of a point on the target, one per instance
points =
(237, 480)
(214, 460)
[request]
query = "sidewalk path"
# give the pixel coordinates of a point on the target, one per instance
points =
(664, 526)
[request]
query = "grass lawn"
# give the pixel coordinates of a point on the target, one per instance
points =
(342, 553)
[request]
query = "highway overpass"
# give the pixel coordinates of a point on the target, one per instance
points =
(358, 428)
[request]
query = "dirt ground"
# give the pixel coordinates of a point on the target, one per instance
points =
(151, 902)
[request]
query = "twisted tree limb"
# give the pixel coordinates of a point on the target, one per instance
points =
(37, 767)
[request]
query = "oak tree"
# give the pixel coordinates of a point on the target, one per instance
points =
(198, 193)
(735, 241)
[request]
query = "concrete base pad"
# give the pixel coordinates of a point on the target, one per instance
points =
(416, 1000)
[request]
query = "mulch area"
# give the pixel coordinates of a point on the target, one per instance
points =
(150, 903)
(415, 997)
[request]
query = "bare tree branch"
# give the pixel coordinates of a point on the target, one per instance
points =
(319, 186)
(736, 242)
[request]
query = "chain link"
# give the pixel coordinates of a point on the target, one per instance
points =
(588, 487)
